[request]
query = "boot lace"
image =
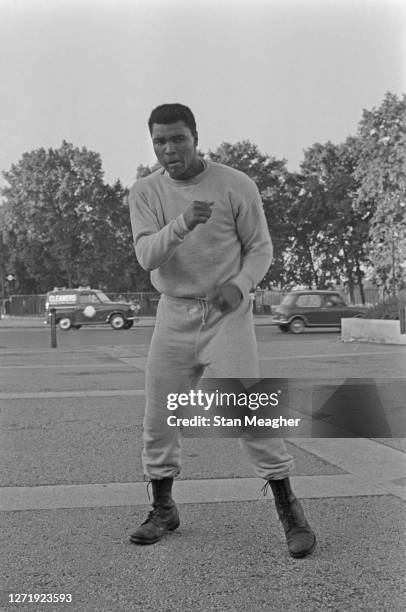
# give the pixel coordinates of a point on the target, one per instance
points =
(285, 505)
(266, 488)
(149, 483)
(153, 514)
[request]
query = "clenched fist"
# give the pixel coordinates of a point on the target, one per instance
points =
(197, 212)
(226, 298)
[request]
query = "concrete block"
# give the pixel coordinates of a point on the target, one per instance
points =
(372, 330)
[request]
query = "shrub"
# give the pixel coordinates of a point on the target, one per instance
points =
(389, 309)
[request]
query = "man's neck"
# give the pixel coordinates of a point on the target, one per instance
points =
(196, 168)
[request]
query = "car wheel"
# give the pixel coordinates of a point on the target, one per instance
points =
(65, 323)
(283, 328)
(296, 326)
(117, 321)
(128, 324)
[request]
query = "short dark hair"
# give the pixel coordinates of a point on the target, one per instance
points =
(170, 113)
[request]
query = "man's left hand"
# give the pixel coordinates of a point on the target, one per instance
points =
(226, 298)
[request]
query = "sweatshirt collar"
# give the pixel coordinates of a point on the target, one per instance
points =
(191, 181)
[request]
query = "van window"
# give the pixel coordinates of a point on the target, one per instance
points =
(288, 300)
(88, 298)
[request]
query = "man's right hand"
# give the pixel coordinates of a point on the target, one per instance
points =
(197, 212)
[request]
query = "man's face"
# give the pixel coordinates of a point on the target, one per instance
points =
(176, 149)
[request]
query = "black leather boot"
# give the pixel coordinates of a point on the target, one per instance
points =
(299, 536)
(164, 516)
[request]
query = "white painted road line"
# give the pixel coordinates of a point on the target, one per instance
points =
(63, 394)
(185, 492)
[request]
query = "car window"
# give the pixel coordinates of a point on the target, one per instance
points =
(333, 300)
(309, 301)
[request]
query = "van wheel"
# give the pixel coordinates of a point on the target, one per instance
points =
(296, 326)
(65, 323)
(117, 321)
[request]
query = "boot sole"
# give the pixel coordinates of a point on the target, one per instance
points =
(135, 540)
(305, 553)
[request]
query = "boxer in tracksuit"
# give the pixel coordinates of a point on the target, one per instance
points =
(200, 229)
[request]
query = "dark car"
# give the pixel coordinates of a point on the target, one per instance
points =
(301, 309)
(85, 306)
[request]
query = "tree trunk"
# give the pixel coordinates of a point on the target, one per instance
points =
(348, 269)
(310, 259)
(360, 277)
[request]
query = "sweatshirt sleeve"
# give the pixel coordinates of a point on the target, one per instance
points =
(253, 231)
(154, 244)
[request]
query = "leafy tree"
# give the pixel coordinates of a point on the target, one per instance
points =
(63, 225)
(113, 241)
(274, 183)
(381, 196)
(143, 171)
(329, 244)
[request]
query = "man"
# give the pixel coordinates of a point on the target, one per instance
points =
(200, 229)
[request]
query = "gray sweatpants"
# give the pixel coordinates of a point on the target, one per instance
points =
(192, 338)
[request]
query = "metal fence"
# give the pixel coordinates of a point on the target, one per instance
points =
(24, 306)
(34, 305)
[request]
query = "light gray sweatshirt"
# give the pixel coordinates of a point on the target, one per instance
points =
(233, 246)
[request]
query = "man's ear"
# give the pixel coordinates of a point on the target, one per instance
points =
(196, 139)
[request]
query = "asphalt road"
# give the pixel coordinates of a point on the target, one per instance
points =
(72, 487)
(317, 351)
(40, 337)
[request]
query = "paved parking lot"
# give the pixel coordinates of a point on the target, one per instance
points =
(72, 487)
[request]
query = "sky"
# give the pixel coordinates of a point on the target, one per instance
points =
(283, 74)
